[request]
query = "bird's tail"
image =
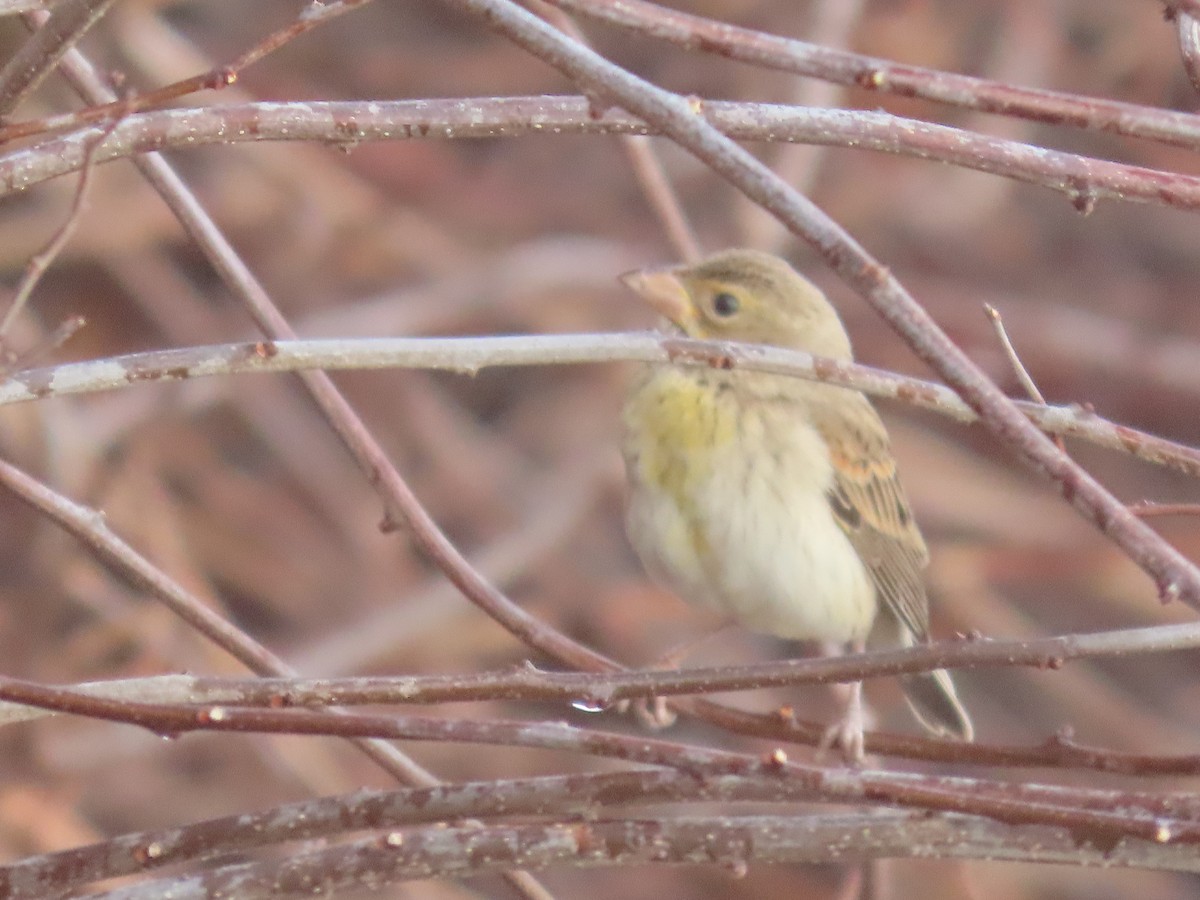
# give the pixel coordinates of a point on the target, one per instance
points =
(933, 700)
(930, 695)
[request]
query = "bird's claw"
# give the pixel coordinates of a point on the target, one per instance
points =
(847, 732)
(847, 735)
(654, 713)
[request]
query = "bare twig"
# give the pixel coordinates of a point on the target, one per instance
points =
(1153, 817)
(1150, 508)
(90, 527)
(1084, 181)
(873, 74)
(215, 79)
(731, 842)
(62, 333)
(657, 188)
(574, 795)
(1189, 46)
(57, 32)
(471, 355)
(41, 261)
(647, 167)
(1010, 352)
(594, 692)
(601, 690)
(830, 23)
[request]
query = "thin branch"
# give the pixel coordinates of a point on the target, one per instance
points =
(216, 78)
(103, 112)
(647, 167)
(1104, 819)
(572, 795)
(603, 690)
(594, 692)
(1084, 181)
(1150, 508)
(313, 14)
(1189, 46)
(62, 333)
(1057, 752)
(729, 842)
(56, 33)
(874, 74)
(579, 796)
(91, 528)
(829, 23)
(470, 355)
(41, 261)
(1010, 352)
(661, 195)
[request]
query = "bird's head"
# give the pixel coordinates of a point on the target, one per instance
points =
(744, 295)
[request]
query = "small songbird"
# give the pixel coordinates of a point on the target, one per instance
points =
(775, 500)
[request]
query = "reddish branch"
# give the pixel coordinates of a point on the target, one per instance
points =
(1084, 181)
(728, 842)
(884, 76)
(572, 797)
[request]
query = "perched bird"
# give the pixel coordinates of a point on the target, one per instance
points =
(774, 500)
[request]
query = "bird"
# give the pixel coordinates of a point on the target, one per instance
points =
(775, 500)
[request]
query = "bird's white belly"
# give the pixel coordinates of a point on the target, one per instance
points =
(753, 537)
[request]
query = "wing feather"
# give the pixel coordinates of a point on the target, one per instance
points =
(869, 504)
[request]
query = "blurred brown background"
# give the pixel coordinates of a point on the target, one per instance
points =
(239, 489)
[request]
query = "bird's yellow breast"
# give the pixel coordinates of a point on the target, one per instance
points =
(678, 424)
(729, 505)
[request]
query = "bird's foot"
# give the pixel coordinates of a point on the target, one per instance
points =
(847, 735)
(654, 713)
(847, 732)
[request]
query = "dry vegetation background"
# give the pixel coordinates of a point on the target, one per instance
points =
(239, 489)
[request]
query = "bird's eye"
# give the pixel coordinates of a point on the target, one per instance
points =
(725, 304)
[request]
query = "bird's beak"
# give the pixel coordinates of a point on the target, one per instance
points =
(664, 291)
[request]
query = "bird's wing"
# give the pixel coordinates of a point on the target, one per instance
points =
(869, 504)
